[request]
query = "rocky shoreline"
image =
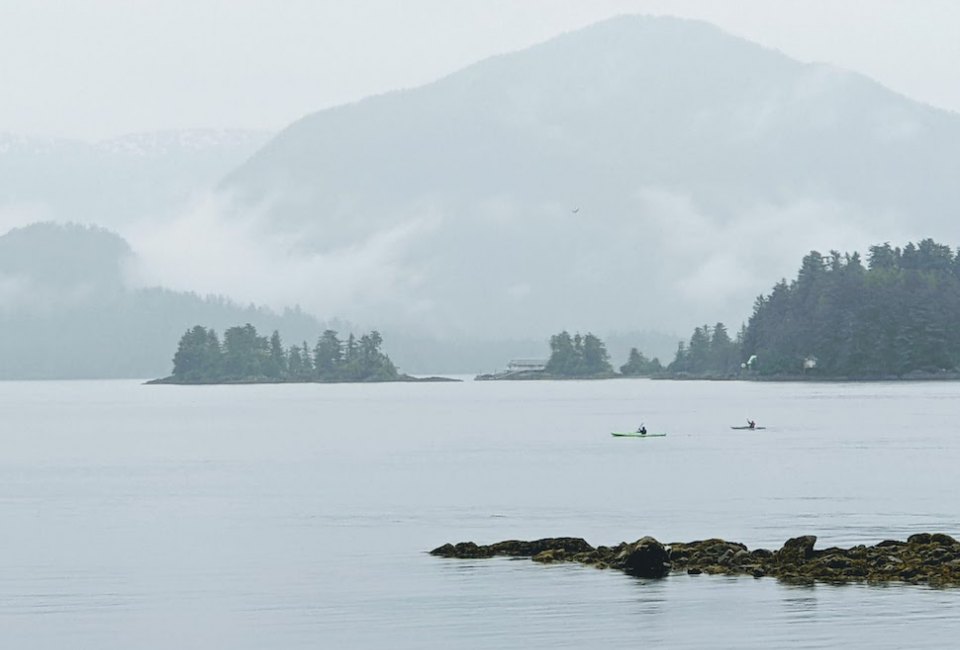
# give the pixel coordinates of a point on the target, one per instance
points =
(932, 559)
(176, 381)
(811, 377)
(540, 375)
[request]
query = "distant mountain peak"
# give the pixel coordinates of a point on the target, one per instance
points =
(702, 162)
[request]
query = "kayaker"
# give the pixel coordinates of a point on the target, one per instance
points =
(751, 424)
(642, 430)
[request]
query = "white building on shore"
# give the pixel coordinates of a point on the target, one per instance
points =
(518, 365)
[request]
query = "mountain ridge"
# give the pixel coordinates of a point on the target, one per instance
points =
(67, 312)
(680, 146)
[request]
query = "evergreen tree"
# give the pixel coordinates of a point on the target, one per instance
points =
(710, 353)
(596, 360)
(563, 356)
(295, 361)
(577, 356)
(698, 354)
(350, 350)
(638, 365)
(306, 370)
(276, 366)
(244, 353)
(681, 361)
(214, 355)
(723, 357)
(328, 355)
(198, 355)
(635, 365)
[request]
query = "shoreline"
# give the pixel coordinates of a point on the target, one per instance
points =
(908, 378)
(173, 381)
(535, 375)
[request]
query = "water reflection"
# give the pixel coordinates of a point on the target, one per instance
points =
(799, 601)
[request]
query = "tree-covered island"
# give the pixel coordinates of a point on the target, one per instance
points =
(580, 357)
(246, 357)
(638, 365)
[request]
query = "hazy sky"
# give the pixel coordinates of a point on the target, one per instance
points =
(98, 68)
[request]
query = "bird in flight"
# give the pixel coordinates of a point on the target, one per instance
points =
(576, 210)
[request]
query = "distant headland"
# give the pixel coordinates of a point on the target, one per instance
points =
(839, 320)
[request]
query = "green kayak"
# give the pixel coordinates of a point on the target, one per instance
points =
(634, 434)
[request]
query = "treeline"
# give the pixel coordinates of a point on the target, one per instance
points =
(638, 365)
(896, 316)
(839, 318)
(587, 356)
(709, 352)
(244, 355)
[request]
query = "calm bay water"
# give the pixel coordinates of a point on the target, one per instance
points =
(299, 516)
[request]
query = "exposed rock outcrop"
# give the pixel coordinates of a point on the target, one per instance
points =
(932, 559)
(645, 558)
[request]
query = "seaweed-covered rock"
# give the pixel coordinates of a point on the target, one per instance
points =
(463, 550)
(550, 555)
(514, 548)
(932, 559)
(943, 540)
(707, 553)
(645, 558)
(796, 550)
(518, 548)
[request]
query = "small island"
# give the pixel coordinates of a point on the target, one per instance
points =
(576, 357)
(245, 357)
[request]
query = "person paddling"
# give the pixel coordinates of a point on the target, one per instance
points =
(752, 424)
(642, 430)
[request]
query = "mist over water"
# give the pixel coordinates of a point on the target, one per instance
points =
(644, 174)
(297, 515)
(634, 178)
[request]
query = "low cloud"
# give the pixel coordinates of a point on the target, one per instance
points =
(659, 261)
(214, 247)
(720, 264)
(21, 295)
